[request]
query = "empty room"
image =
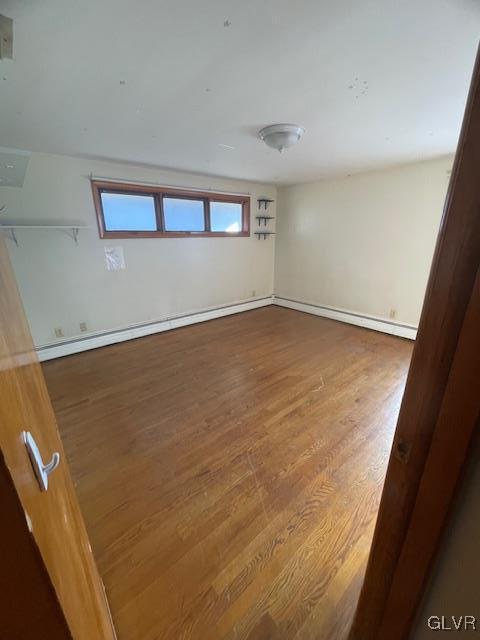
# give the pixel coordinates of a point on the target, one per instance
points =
(239, 379)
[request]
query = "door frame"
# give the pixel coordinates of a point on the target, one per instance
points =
(439, 411)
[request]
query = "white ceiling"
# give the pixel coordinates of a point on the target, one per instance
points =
(167, 82)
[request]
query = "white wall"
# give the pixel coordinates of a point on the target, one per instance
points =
(362, 243)
(63, 284)
(453, 588)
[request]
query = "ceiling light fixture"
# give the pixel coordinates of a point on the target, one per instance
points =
(281, 136)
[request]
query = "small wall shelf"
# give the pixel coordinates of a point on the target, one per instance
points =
(263, 233)
(70, 229)
(259, 234)
(265, 202)
(264, 218)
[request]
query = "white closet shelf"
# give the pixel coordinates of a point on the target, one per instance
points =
(73, 228)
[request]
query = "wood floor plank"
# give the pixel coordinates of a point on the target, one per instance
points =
(230, 472)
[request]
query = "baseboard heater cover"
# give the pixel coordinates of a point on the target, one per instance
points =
(104, 338)
(350, 317)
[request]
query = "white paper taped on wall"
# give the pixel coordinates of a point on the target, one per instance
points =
(114, 258)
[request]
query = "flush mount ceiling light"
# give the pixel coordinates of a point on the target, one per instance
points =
(281, 136)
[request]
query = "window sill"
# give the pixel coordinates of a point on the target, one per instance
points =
(125, 235)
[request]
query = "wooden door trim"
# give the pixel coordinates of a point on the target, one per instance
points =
(400, 538)
(444, 468)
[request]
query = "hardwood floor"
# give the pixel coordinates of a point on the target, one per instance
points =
(230, 472)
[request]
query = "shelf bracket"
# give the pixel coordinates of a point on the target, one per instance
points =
(72, 233)
(10, 234)
(263, 232)
(265, 202)
(10, 230)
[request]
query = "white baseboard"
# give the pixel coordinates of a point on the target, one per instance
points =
(102, 339)
(350, 317)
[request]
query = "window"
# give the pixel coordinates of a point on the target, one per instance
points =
(135, 211)
(128, 212)
(181, 214)
(226, 216)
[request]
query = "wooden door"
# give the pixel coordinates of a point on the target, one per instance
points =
(439, 411)
(53, 516)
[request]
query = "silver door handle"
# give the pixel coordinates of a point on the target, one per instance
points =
(42, 471)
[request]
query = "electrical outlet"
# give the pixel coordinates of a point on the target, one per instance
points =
(58, 332)
(254, 293)
(83, 326)
(393, 313)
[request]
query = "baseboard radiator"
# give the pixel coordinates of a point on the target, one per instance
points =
(104, 338)
(350, 317)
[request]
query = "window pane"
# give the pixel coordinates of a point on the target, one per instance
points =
(183, 215)
(128, 212)
(226, 216)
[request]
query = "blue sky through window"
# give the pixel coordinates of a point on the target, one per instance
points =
(226, 216)
(128, 212)
(183, 215)
(136, 212)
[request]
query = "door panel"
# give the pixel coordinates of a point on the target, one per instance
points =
(54, 517)
(449, 295)
(24, 583)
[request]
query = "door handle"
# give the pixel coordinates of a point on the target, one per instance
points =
(42, 471)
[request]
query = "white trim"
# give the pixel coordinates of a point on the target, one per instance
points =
(101, 339)
(351, 317)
